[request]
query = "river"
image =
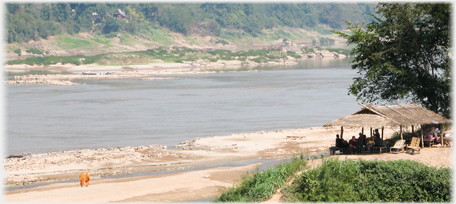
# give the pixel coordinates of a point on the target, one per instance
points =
(127, 112)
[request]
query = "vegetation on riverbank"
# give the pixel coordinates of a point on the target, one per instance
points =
(32, 72)
(346, 181)
(371, 181)
(161, 54)
(261, 185)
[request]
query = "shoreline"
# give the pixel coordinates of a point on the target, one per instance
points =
(204, 165)
(137, 71)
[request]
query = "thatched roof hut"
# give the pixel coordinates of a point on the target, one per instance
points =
(392, 116)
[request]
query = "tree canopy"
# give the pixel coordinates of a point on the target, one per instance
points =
(31, 21)
(404, 55)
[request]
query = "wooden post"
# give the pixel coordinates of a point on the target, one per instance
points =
(401, 132)
(383, 127)
(371, 132)
(413, 129)
(442, 141)
(422, 138)
(341, 132)
(362, 130)
(422, 141)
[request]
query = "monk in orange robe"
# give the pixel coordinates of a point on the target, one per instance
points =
(81, 179)
(87, 178)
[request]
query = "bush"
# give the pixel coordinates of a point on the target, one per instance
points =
(371, 181)
(34, 51)
(223, 42)
(261, 185)
(18, 51)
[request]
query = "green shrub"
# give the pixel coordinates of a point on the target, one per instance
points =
(223, 42)
(33, 72)
(18, 51)
(293, 54)
(340, 50)
(261, 185)
(34, 51)
(371, 181)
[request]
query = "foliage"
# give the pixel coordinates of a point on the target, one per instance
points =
(48, 60)
(404, 55)
(18, 51)
(33, 72)
(111, 25)
(34, 51)
(31, 21)
(371, 181)
(261, 185)
(223, 42)
(340, 51)
(293, 54)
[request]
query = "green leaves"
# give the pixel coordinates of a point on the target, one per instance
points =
(261, 185)
(404, 55)
(371, 181)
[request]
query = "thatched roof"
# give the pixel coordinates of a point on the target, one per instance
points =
(394, 115)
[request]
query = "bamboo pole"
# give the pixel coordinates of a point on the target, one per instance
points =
(401, 132)
(370, 132)
(383, 128)
(362, 130)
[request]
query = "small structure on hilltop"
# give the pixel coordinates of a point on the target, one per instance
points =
(119, 14)
(390, 116)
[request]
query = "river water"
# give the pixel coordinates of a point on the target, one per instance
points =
(127, 112)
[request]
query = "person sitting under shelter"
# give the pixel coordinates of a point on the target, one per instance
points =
(352, 143)
(340, 142)
(377, 140)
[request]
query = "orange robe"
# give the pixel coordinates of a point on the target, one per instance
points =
(87, 178)
(81, 179)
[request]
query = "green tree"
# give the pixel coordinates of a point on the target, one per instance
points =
(404, 55)
(111, 25)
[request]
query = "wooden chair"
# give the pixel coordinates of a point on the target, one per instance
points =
(399, 145)
(414, 145)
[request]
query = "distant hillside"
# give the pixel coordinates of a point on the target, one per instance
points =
(27, 21)
(72, 28)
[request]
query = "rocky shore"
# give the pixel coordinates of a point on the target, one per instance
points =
(30, 168)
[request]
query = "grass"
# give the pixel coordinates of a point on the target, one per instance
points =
(102, 40)
(33, 72)
(371, 181)
(66, 42)
(261, 185)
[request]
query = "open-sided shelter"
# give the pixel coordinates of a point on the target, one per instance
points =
(379, 117)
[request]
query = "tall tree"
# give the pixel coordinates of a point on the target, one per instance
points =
(404, 55)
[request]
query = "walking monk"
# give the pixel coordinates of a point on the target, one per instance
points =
(87, 178)
(81, 179)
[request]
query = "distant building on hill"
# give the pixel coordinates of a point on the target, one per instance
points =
(119, 14)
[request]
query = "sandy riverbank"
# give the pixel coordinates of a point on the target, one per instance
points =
(184, 186)
(139, 72)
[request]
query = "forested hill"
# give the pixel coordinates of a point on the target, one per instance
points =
(35, 21)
